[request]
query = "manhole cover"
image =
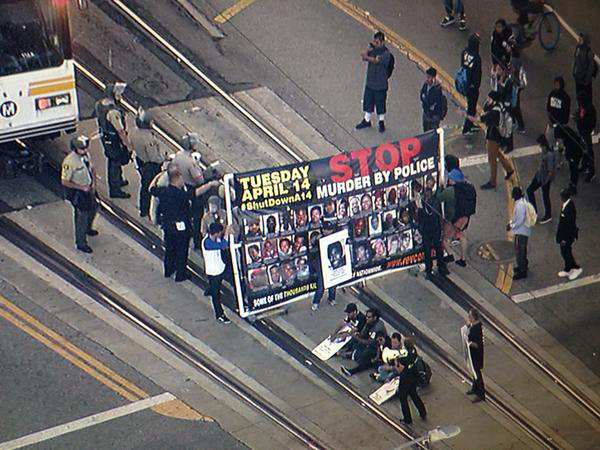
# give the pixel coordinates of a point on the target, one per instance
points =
(495, 251)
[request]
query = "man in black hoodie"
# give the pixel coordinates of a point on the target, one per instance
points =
(431, 101)
(558, 106)
(584, 66)
(586, 122)
(471, 61)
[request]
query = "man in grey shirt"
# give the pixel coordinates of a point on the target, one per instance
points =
(378, 58)
(520, 231)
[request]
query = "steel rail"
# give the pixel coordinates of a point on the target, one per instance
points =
(103, 294)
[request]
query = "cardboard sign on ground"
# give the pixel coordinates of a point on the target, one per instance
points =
(386, 391)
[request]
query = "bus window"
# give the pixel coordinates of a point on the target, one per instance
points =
(30, 36)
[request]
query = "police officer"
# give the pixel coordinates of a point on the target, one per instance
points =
(174, 208)
(113, 133)
(192, 178)
(149, 156)
(79, 179)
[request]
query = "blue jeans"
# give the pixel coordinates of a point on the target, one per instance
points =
(320, 290)
(458, 9)
(384, 375)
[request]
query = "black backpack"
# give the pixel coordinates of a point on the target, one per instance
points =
(466, 200)
(391, 64)
(423, 372)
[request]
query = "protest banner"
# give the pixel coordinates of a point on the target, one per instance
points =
(368, 195)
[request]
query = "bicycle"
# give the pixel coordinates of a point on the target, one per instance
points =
(545, 26)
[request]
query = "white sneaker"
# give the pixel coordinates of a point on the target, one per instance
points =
(563, 274)
(574, 273)
(315, 306)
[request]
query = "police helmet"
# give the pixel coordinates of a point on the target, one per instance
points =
(80, 142)
(143, 119)
(190, 141)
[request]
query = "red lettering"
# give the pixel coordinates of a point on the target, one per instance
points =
(380, 157)
(363, 160)
(410, 148)
(339, 165)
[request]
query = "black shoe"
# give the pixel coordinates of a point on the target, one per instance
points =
(381, 126)
(477, 399)
(470, 392)
(545, 219)
(373, 376)
(449, 258)
(462, 24)
(183, 278)
(406, 422)
(85, 248)
(508, 175)
(363, 124)
(169, 275)
(121, 194)
(92, 232)
(224, 319)
(424, 417)
(488, 186)
(447, 21)
(520, 275)
(461, 262)
(124, 183)
(506, 151)
(443, 271)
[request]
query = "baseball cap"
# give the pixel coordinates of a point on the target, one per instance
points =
(456, 175)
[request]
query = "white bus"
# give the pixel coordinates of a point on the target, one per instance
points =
(37, 73)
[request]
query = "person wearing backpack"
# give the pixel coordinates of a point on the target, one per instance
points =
(505, 87)
(585, 68)
(379, 69)
(432, 100)
(470, 61)
(492, 118)
(543, 178)
(521, 231)
(456, 220)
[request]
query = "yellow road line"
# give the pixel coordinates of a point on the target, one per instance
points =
(232, 11)
(500, 277)
(492, 251)
(19, 318)
(508, 279)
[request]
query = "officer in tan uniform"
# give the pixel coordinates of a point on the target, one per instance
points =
(192, 176)
(149, 156)
(79, 179)
(113, 134)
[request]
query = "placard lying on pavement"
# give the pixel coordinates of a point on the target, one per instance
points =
(386, 391)
(330, 347)
(283, 211)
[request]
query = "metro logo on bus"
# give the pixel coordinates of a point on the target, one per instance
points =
(8, 109)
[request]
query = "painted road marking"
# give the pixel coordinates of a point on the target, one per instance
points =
(232, 11)
(475, 160)
(87, 422)
(88, 363)
(560, 287)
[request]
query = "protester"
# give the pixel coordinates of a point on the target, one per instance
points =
(471, 61)
(212, 245)
(315, 267)
(454, 227)
(558, 106)
(475, 342)
(431, 101)
(519, 80)
(378, 59)
(504, 88)
(387, 370)
(586, 123)
(454, 8)
(491, 118)
(405, 366)
(521, 233)
(78, 176)
(355, 320)
(370, 359)
(174, 209)
(566, 234)
(149, 156)
(500, 45)
(584, 68)
(429, 218)
(363, 342)
(543, 178)
(215, 213)
(574, 148)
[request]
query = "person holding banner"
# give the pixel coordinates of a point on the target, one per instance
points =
(315, 261)
(429, 213)
(475, 350)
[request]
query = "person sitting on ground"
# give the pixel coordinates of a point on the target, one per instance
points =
(370, 357)
(364, 340)
(352, 323)
(387, 370)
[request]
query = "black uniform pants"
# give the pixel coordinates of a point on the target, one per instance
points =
(478, 387)
(177, 245)
(566, 251)
(408, 388)
(196, 213)
(433, 241)
(472, 97)
(214, 288)
(148, 172)
(83, 219)
(534, 186)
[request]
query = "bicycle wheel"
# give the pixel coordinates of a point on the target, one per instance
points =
(549, 31)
